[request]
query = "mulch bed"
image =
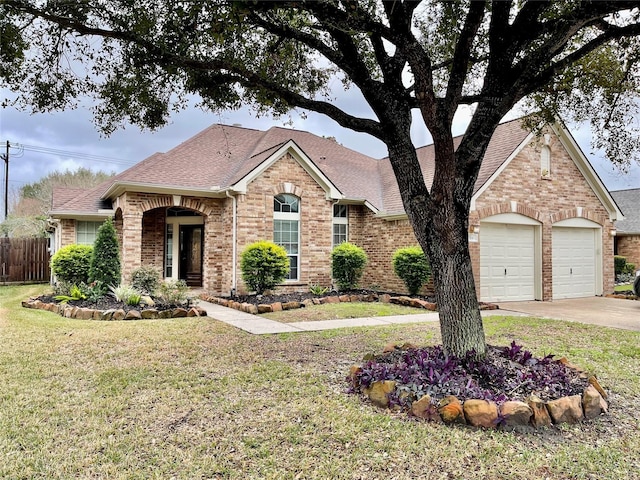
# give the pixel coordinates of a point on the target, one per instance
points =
(302, 296)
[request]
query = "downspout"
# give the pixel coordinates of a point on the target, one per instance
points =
(234, 248)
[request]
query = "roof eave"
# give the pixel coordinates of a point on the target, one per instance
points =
(587, 171)
(500, 169)
(82, 215)
(118, 188)
(390, 216)
(358, 201)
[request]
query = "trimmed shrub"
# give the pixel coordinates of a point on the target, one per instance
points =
(264, 265)
(146, 280)
(71, 264)
(347, 264)
(412, 266)
(618, 263)
(105, 261)
(174, 292)
(629, 269)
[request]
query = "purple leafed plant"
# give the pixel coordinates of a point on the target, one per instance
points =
(507, 373)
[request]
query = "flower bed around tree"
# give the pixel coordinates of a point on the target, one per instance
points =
(508, 389)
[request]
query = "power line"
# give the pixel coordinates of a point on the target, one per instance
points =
(77, 155)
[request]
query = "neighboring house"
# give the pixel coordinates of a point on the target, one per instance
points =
(541, 221)
(627, 241)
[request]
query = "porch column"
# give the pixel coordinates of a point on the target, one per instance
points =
(131, 243)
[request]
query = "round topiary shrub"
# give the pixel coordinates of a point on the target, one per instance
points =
(71, 263)
(105, 261)
(264, 265)
(412, 266)
(347, 264)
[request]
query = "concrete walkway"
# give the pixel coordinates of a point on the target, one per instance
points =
(603, 311)
(260, 326)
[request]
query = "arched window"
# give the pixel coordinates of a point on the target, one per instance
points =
(545, 162)
(286, 229)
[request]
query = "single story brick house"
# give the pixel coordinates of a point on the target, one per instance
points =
(627, 241)
(541, 225)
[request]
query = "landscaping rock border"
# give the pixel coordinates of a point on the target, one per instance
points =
(511, 415)
(71, 311)
(371, 297)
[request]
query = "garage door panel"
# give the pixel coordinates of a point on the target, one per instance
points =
(507, 262)
(574, 262)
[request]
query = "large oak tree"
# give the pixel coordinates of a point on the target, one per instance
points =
(140, 59)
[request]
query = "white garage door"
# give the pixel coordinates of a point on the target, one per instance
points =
(507, 262)
(574, 262)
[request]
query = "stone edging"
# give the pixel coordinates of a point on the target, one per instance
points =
(511, 415)
(71, 311)
(372, 297)
(621, 296)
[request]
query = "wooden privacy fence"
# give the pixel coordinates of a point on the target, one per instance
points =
(24, 260)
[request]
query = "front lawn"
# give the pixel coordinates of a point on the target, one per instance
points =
(332, 311)
(195, 398)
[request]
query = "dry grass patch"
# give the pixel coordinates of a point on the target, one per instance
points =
(194, 398)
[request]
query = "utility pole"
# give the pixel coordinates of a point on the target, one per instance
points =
(5, 157)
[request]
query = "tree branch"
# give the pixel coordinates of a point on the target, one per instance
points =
(461, 58)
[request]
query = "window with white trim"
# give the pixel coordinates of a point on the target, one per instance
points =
(545, 162)
(286, 229)
(86, 232)
(340, 224)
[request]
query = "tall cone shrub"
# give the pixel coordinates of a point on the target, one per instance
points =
(105, 261)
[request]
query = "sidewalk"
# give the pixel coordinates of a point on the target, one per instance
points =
(261, 326)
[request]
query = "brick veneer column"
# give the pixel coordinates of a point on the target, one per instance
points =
(547, 262)
(131, 243)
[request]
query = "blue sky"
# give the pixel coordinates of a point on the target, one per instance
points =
(74, 131)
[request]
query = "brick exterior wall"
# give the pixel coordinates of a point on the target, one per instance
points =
(255, 220)
(153, 233)
(519, 188)
(564, 194)
(380, 239)
(146, 245)
(629, 247)
(68, 235)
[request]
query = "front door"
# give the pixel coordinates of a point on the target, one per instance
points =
(191, 242)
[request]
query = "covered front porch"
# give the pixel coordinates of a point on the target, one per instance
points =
(184, 238)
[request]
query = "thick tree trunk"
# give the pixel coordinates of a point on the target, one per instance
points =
(440, 221)
(460, 321)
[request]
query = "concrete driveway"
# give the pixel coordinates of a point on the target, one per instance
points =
(607, 312)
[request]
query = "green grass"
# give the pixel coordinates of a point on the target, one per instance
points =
(623, 288)
(332, 311)
(194, 398)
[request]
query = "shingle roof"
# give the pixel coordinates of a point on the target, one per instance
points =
(629, 203)
(222, 155)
